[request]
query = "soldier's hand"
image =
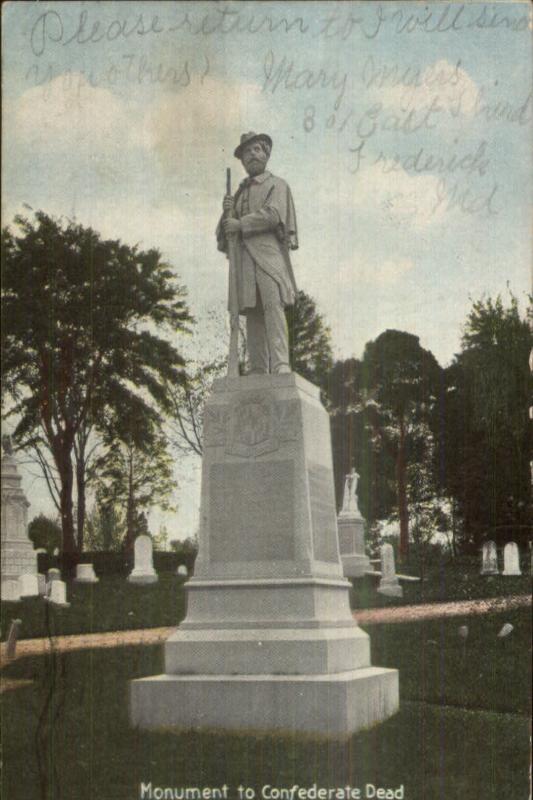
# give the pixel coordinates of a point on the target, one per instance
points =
(231, 226)
(227, 203)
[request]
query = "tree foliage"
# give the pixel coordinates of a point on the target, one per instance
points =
(487, 435)
(44, 533)
(383, 409)
(135, 473)
(309, 340)
(78, 347)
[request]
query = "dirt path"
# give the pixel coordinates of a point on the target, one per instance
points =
(396, 614)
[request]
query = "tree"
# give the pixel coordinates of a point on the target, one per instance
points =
(44, 533)
(136, 473)
(78, 347)
(309, 340)
(487, 433)
(105, 527)
(383, 408)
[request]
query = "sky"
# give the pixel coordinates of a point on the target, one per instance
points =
(403, 130)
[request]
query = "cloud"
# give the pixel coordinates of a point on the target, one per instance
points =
(359, 270)
(395, 198)
(199, 128)
(67, 113)
(455, 90)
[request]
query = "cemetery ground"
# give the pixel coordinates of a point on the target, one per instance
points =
(113, 604)
(462, 730)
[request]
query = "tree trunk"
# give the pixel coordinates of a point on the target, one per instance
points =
(130, 513)
(65, 504)
(401, 482)
(80, 486)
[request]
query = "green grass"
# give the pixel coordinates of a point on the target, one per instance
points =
(112, 604)
(459, 580)
(84, 748)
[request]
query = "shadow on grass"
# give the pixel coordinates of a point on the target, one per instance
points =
(437, 752)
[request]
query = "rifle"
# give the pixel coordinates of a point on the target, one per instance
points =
(233, 299)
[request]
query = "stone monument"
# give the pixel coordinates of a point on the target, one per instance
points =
(10, 591)
(489, 559)
(351, 526)
(269, 640)
(17, 554)
(85, 574)
(389, 584)
(511, 559)
(143, 566)
(58, 594)
(182, 571)
(29, 585)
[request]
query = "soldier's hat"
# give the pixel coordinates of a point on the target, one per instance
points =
(248, 138)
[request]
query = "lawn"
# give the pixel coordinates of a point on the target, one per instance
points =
(114, 604)
(441, 581)
(461, 734)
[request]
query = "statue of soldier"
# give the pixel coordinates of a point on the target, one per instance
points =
(262, 218)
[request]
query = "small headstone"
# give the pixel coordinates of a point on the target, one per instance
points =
(182, 571)
(53, 575)
(58, 593)
(389, 584)
(12, 638)
(85, 574)
(10, 592)
(463, 631)
(511, 559)
(29, 585)
(56, 551)
(505, 631)
(143, 568)
(41, 582)
(489, 559)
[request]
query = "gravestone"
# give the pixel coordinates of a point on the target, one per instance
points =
(10, 591)
(269, 641)
(489, 559)
(58, 594)
(53, 574)
(511, 559)
(143, 566)
(41, 582)
(389, 584)
(85, 574)
(29, 585)
(12, 638)
(351, 527)
(182, 571)
(17, 554)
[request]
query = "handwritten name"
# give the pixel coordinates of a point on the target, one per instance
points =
(288, 76)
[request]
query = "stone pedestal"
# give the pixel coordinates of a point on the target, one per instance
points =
(269, 641)
(351, 527)
(17, 554)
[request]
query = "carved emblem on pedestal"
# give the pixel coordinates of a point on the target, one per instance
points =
(252, 428)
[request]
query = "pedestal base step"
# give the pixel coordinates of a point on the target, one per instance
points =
(329, 705)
